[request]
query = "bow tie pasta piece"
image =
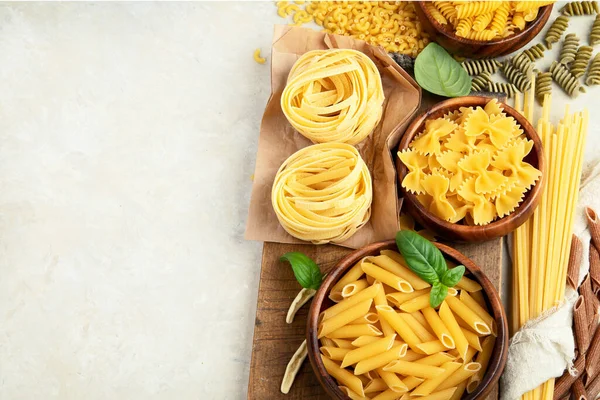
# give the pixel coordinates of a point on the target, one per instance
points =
(493, 107)
(429, 142)
(416, 163)
(486, 181)
(333, 95)
(322, 193)
(511, 159)
(464, 114)
(433, 162)
(437, 186)
(508, 200)
(486, 144)
(483, 211)
(461, 207)
(500, 129)
(425, 199)
(453, 116)
(460, 142)
(449, 161)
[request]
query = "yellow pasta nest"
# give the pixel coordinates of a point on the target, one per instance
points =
(469, 165)
(323, 193)
(391, 24)
(333, 96)
(485, 20)
(387, 343)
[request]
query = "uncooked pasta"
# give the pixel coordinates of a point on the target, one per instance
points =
(569, 49)
(595, 31)
(516, 77)
(556, 30)
(582, 58)
(593, 75)
(499, 87)
(580, 8)
(565, 79)
(543, 85)
(475, 67)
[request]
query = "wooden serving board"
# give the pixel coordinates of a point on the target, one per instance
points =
(275, 341)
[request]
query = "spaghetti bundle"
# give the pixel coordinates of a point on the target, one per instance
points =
(542, 245)
(322, 193)
(333, 96)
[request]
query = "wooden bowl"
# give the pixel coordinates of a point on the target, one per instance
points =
(465, 233)
(321, 301)
(445, 36)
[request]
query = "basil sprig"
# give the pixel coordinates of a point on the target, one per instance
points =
(427, 261)
(306, 271)
(437, 72)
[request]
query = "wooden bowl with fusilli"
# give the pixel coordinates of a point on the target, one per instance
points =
(477, 29)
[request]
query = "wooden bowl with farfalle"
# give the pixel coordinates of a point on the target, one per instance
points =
(467, 230)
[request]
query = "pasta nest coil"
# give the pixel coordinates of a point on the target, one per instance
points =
(333, 96)
(323, 193)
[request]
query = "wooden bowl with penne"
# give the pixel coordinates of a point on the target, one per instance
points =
(373, 333)
(471, 169)
(483, 30)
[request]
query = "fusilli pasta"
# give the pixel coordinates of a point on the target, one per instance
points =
(499, 87)
(500, 18)
(543, 85)
(556, 30)
(595, 32)
(529, 5)
(485, 35)
(582, 58)
(475, 67)
(516, 77)
(482, 21)
(464, 27)
(569, 49)
(593, 75)
(565, 79)
(479, 82)
(474, 8)
(580, 8)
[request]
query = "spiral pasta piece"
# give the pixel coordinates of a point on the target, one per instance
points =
(482, 21)
(475, 67)
(474, 8)
(499, 87)
(516, 77)
(580, 8)
(485, 35)
(435, 13)
(569, 49)
(333, 96)
(479, 82)
(530, 5)
(518, 20)
(593, 75)
(543, 85)
(565, 79)
(446, 8)
(500, 18)
(595, 32)
(556, 30)
(535, 52)
(464, 26)
(582, 58)
(323, 193)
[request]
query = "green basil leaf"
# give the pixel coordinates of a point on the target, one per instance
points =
(452, 276)
(439, 291)
(423, 258)
(306, 271)
(437, 72)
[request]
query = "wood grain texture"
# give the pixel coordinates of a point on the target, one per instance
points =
(275, 341)
(457, 232)
(446, 37)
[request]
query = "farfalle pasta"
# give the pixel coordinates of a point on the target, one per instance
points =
(469, 165)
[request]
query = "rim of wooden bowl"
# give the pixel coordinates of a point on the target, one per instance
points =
(466, 233)
(542, 18)
(499, 354)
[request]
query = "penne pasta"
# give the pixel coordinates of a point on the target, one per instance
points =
(400, 269)
(429, 385)
(410, 368)
(416, 304)
(334, 353)
(376, 385)
(343, 376)
(386, 277)
(469, 316)
(460, 390)
(387, 395)
(328, 342)
(345, 304)
(422, 333)
(412, 356)
(368, 351)
(418, 315)
(476, 308)
(460, 340)
(478, 296)
(352, 395)
(438, 327)
(344, 318)
(435, 346)
(352, 331)
(341, 343)
(412, 382)
(364, 340)
(398, 298)
(468, 284)
(381, 300)
(441, 395)
(460, 375)
(472, 339)
(354, 287)
(368, 318)
(336, 296)
(352, 275)
(483, 358)
(392, 381)
(436, 359)
(397, 323)
(378, 361)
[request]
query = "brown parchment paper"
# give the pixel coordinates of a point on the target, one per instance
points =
(278, 140)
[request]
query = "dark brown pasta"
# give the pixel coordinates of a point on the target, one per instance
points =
(580, 325)
(579, 392)
(592, 362)
(595, 269)
(574, 262)
(591, 302)
(564, 383)
(593, 387)
(593, 226)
